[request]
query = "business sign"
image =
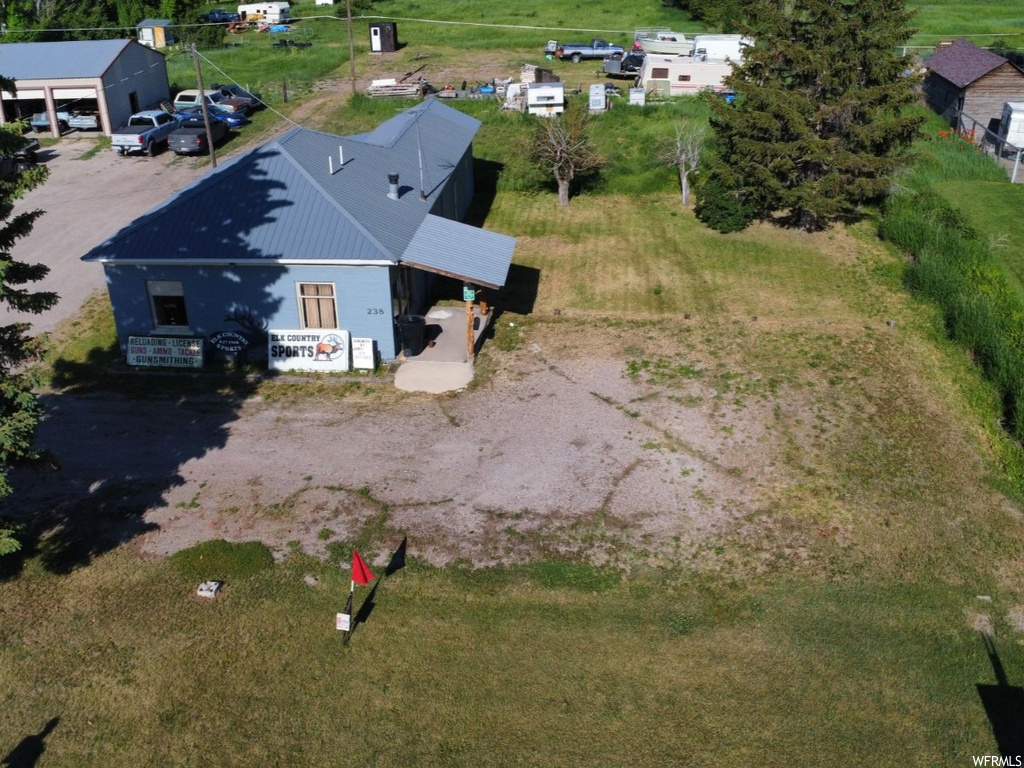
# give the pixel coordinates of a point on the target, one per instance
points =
(363, 357)
(228, 341)
(312, 349)
(165, 351)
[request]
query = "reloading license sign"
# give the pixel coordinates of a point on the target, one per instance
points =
(309, 350)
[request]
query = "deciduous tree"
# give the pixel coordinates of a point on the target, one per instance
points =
(820, 119)
(561, 147)
(684, 153)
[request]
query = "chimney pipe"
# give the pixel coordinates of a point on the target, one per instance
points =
(393, 186)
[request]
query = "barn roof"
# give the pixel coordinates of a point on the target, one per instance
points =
(311, 197)
(50, 61)
(962, 62)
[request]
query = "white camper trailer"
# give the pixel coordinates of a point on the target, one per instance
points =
(272, 12)
(545, 99)
(1011, 126)
(720, 47)
(683, 75)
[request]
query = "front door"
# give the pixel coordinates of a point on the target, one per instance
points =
(375, 45)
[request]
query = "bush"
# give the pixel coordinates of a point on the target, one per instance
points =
(222, 560)
(719, 206)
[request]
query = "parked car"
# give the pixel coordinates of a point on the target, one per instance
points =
(21, 160)
(232, 91)
(595, 49)
(189, 99)
(145, 131)
(219, 16)
(230, 119)
(190, 137)
(40, 121)
(628, 65)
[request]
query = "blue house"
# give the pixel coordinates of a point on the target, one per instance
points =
(311, 231)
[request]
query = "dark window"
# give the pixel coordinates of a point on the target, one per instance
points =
(660, 73)
(133, 102)
(316, 304)
(168, 301)
(684, 78)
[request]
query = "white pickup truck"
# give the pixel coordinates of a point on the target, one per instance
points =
(144, 132)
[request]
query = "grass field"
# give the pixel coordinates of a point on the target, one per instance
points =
(840, 624)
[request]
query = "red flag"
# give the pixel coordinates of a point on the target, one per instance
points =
(360, 572)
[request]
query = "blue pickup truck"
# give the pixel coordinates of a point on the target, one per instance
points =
(576, 52)
(145, 132)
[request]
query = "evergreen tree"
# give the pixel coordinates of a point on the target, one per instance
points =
(819, 121)
(20, 411)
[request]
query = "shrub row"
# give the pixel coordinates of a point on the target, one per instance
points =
(953, 266)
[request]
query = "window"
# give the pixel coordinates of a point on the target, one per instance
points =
(684, 78)
(167, 299)
(659, 73)
(316, 305)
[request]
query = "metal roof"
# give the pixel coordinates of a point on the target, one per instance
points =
(153, 23)
(46, 61)
(446, 246)
(962, 62)
(311, 196)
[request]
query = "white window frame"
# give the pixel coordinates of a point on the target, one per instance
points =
(300, 298)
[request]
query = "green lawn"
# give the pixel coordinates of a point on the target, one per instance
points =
(527, 666)
(994, 208)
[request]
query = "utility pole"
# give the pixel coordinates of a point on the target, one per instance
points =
(202, 103)
(351, 46)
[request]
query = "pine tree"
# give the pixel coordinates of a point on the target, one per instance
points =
(820, 118)
(20, 411)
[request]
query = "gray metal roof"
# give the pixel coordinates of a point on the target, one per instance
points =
(446, 246)
(45, 61)
(153, 23)
(293, 199)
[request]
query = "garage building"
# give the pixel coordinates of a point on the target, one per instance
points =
(112, 78)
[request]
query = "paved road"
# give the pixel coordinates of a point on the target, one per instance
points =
(85, 202)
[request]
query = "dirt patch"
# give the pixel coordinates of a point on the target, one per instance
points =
(559, 451)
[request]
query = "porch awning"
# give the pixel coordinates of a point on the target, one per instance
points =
(461, 251)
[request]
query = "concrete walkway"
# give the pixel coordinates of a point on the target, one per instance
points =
(444, 366)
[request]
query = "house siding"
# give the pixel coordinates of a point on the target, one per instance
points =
(224, 298)
(983, 99)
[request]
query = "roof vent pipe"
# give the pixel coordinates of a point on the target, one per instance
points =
(393, 186)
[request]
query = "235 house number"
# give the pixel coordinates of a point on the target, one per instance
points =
(375, 311)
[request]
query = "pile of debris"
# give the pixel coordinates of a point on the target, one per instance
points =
(399, 89)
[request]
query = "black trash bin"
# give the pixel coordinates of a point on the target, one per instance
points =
(413, 329)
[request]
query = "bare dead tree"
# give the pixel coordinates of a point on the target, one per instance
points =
(562, 147)
(684, 153)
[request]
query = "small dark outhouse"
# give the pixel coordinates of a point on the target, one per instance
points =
(383, 37)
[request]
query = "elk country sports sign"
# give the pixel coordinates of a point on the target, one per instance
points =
(321, 349)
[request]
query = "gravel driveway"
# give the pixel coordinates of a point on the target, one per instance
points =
(86, 201)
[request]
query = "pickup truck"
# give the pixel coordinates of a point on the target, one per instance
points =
(40, 121)
(84, 121)
(190, 138)
(144, 132)
(595, 49)
(219, 16)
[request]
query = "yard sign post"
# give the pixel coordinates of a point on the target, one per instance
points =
(363, 575)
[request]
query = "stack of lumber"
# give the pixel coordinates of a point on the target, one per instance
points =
(391, 88)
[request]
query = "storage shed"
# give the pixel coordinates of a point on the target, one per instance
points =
(113, 78)
(965, 79)
(383, 37)
(155, 33)
(310, 235)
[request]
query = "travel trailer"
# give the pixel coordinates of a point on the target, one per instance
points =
(272, 12)
(683, 75)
